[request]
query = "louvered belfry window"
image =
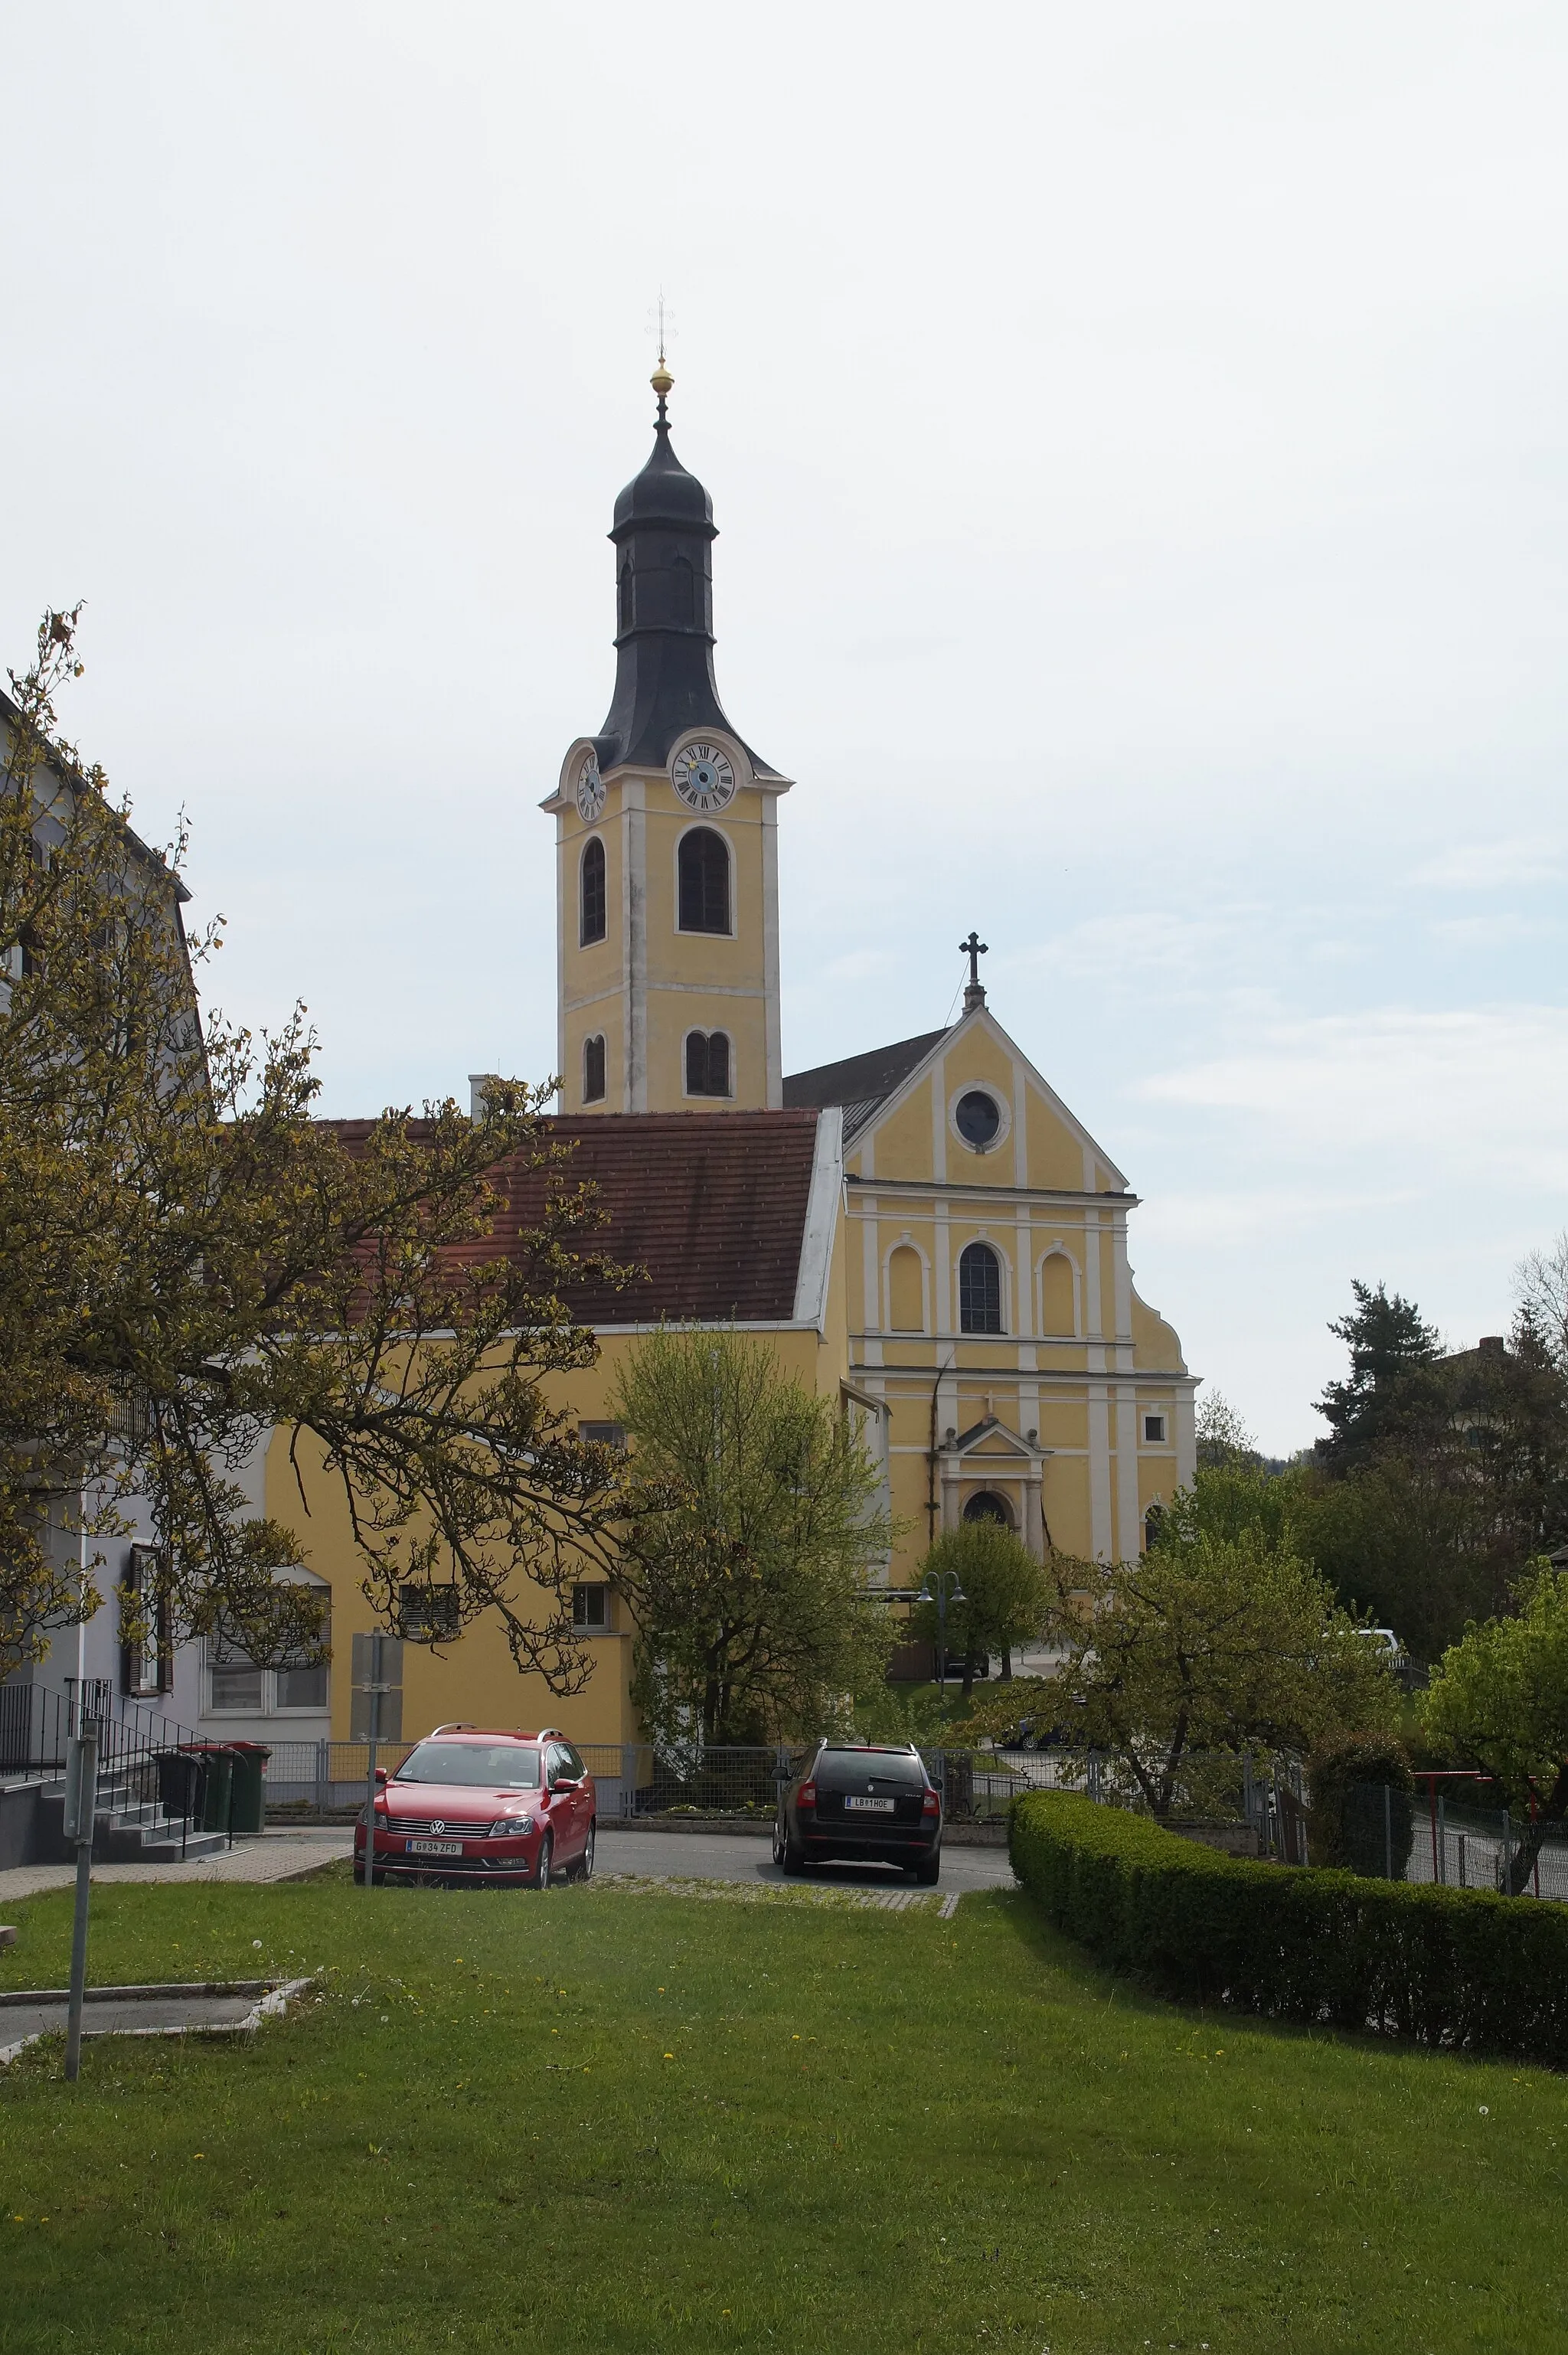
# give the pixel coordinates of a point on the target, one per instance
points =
(706, 1063)
(592, 901)
(594, 1069)
(979, 1290)
(704, 881)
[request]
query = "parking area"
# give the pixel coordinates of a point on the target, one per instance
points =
(741, 1856)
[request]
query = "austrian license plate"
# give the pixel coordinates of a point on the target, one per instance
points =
(870, 1806)
(433, 1848)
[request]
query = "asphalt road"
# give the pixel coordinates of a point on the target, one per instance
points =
(737, 1855)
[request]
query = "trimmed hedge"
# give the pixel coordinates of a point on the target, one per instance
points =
(1457, 1967)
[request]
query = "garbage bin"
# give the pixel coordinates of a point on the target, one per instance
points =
(179, 1781)
(250, 1785)
(215, 1788)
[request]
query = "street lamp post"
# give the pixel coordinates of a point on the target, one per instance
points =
(942, 1587)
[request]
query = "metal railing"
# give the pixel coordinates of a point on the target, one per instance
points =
(152, 1773)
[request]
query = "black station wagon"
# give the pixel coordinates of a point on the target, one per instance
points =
(862, 1802)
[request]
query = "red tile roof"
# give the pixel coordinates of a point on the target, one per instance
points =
(711, 1204)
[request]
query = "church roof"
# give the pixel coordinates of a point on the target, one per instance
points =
(860, 1082)
(712, 1205)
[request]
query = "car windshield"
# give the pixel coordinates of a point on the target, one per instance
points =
(498, 1765)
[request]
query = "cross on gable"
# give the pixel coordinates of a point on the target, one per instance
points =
(974, 948)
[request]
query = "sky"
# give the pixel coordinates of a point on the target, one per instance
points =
(1138, 436)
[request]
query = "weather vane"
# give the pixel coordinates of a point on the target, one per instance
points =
(662, 321)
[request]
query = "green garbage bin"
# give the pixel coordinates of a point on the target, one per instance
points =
(215, 1790)
(249, 1785)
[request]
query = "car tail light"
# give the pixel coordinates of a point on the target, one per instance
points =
(807, 1795)
(931, 1805)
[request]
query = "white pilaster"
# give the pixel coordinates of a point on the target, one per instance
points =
(1129, 1520)
(1099, 1473)
(634, 943)
(773, 1034)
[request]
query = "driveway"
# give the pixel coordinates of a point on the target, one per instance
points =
(739, 1856)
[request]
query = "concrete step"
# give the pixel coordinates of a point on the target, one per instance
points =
(156, 1848)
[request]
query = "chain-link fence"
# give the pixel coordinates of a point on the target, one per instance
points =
(1430, 1837)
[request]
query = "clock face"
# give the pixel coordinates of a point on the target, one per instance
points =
(589, 788)
(704, 777)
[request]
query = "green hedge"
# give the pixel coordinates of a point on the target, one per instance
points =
(1447, 1966)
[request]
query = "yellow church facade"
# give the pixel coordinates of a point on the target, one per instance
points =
(922, 1233)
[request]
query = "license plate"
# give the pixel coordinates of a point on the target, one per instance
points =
(871, 1807)
(433, 1848)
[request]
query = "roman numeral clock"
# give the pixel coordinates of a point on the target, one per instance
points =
(704, 777)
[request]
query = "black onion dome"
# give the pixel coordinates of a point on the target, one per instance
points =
(664, 533)
(664, 492)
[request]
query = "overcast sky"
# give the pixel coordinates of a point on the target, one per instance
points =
(1139, 439)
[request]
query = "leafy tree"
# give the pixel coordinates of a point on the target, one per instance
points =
(1209, 1644)
(1223, 1439)
(1005, 1596)
(188, 1258)
(1231, 1497)
(1387, 1337)
(1499, 1700)
(750, 1528)
(1541, 1295)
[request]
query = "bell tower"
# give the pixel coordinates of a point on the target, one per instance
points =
(667, 841)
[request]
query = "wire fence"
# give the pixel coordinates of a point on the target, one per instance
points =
(1434, 1838)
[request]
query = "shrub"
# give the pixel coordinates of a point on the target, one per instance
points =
(1446, 1967)
(1349, 1831)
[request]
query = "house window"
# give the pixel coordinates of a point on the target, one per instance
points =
(146, 1651)
(1154, 1430)
(237, 1679)
(591, 1609)
(979, 1290)
(591, 892)
(704, 863)
(429, 1615)
(236, 1682)
(593, 1069)
(706, 1063)
(602, 1434)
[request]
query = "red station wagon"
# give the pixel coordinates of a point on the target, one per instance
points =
(472, 1806)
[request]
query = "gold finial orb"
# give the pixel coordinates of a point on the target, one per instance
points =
(661, 380)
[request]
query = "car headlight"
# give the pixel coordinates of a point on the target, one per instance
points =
(511, 1826)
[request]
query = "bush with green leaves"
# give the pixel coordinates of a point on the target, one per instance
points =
(1346, 1778)
(1449, 1967)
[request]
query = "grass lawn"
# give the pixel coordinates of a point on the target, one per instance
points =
(614, 2121)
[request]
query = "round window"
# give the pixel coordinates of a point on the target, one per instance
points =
(977, 1118)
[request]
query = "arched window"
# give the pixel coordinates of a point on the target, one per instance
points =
(989, 1506)
(591, 892)
(906, 1290)
(979, 1290)
(593, 1069)
(624, 595)
(704, 881)
(706, 1063)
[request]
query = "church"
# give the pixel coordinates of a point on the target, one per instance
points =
(922, 1229)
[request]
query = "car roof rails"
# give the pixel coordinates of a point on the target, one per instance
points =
(464, 1725)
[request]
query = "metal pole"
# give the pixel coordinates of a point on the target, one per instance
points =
(942, 1638)
(80, 1808)
(1388, 1833)
(372, 1728)
(1508, 1853)
(1442, 1839)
